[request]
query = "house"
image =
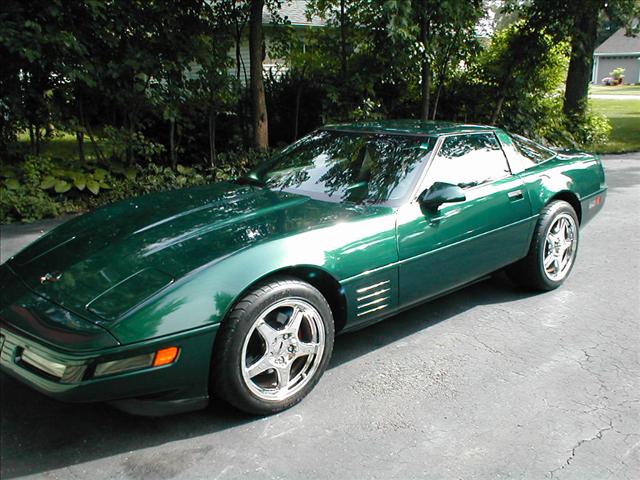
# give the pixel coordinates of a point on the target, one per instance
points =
(617, 51)
(295, 13)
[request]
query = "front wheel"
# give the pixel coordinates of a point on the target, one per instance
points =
(553, 249)
(273, 347)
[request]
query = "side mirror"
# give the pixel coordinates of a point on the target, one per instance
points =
(440, 193)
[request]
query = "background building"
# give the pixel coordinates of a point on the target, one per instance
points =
(617, 51)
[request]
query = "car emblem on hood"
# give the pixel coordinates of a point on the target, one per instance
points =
(50, 277)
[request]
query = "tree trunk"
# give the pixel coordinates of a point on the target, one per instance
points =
(583, 44)
(343, 40)
(80, 139)
(436, 100)
(172, 143)
(425, 75)
(79, 131)
(32, 139)
(442, 75)
(212, 136)
(87, 128)
(238, 39)
(502, 95)
(258, 100)
(426, 87)
(96, 148)
(296, 115)
(241, 69)
(38, 139)
(129, 152)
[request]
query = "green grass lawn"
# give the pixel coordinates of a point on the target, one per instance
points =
(624, 116)
(63, 145)
(617, 90)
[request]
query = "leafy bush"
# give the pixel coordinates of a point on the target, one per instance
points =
(590, 131)
(45, 187)
(123, 143)
(22, 198)
(617, 73)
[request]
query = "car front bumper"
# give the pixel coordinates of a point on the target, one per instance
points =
(173, 388)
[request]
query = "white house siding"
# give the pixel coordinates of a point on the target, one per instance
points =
(295, 13)
(604, 64)
(276, 66)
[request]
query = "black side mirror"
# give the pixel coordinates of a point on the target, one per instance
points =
(440, 193)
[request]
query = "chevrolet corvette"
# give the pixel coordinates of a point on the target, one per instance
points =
(237, 289)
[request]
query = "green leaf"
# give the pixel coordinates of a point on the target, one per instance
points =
(80, 182)
(184, 170)
(12, 184)
(62, 186)
(100, 173)
(104, 185)
(131, 173)
(48, 182)
(93, 186)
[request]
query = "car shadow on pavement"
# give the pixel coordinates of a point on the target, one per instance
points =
(497, 289)
(39, 434)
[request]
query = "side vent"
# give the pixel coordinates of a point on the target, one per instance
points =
(373, 298)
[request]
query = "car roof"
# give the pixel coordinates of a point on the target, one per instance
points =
(410, 126)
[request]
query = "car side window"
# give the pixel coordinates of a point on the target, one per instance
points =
(531, 152)
(468, 160)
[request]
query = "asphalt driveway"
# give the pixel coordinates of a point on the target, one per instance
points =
(489, 382)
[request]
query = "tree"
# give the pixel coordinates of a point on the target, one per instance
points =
(577, 22)
(212, 85)
(256, 54)
(584, 33)
(348, 56)
(425, 69)
(583, 30)
(428, 28)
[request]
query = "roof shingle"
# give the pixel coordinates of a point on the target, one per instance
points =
(618, 44)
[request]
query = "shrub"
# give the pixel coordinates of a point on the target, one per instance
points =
(617, 73)
(125, 144)
(22, 198)
(34, 190)
(593, 129)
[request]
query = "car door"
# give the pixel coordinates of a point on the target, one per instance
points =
(459, 242)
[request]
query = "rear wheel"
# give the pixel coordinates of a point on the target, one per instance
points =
(553, 249)
(273, 347)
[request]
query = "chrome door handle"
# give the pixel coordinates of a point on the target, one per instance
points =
(515, 195)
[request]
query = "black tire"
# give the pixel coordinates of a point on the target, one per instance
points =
(228, 360)
(530, 271)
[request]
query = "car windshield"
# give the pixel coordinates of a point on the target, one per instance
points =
(348, 167)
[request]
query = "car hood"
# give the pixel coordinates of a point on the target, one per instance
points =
(134, 248)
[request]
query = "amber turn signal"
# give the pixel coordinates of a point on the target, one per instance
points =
(165, 356)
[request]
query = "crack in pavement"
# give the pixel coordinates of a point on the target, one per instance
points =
(597, 436)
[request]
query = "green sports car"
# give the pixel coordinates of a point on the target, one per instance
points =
(236, 290)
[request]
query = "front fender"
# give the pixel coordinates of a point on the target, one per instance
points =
(205, 296)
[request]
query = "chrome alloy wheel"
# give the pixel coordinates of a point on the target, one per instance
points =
(560, 247)
(283, 349)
